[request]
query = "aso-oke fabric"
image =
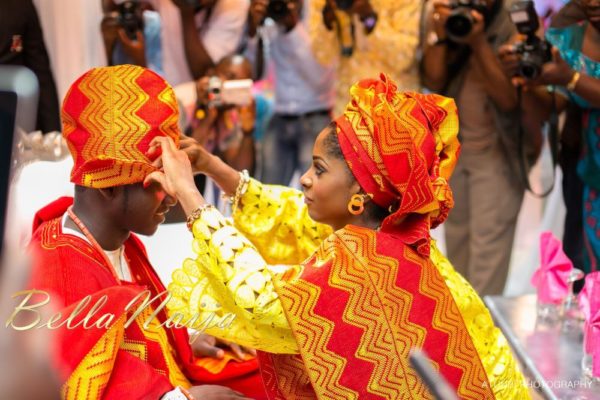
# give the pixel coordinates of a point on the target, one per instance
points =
(110, 115)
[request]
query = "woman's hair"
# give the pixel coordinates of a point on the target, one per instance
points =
(332, 146)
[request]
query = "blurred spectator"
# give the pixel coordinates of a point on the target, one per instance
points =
(22, 43)
(143, 48)
(385, 39)
(486, 185)
(195, 37)
(226, 130)
(304, 88)
(570, 153)
(575, 75)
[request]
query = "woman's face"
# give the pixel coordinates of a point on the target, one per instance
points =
(591, 8)
(328, 186)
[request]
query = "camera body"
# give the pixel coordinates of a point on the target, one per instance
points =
(236, 92)
(344, 4)
(130, 18)
(277, 9)
(460, 21)
(535, 52)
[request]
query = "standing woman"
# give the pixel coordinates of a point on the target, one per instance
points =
(362, 285)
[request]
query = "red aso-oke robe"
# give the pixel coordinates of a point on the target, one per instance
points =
(119, 362)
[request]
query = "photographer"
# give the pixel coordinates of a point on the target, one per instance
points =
(225, 129)
(131, 34)
(383, 37)
(460, 61)
(304, 88)
(194, 35)
(574, 76)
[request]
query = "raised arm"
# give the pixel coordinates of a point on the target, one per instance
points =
(228, 287)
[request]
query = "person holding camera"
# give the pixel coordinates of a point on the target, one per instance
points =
(196, 34)
(304, 88)
(460, 60)
(573, 77)
(366, 37)
(225, 127)
(131, 34)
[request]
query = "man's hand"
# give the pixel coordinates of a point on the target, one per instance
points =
(256, 15)
(441, 11)
(135, 49)
(209, 346)
(477, 35)
(214, 392)
(509, 60)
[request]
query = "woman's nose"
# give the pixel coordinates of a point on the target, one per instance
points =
(305, 181)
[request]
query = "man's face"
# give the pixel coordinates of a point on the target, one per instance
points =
(142, 209)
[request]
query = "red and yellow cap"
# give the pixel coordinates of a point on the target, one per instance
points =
(110, 115)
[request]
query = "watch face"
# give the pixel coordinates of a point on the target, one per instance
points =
(369, 22)
(432, 38)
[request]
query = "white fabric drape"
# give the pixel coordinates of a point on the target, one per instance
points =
(72, 35)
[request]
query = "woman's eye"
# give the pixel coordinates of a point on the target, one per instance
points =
(318, 170)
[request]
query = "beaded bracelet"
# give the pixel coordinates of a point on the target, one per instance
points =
(239, 191)
(197, 213)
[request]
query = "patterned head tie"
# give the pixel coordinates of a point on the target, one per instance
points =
(402, 147)
(110, 115)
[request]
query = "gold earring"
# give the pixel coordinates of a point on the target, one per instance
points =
(356, 206)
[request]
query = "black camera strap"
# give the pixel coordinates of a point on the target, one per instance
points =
(552, 141)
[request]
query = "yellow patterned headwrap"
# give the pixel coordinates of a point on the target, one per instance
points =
(402, 147)
(110, 115)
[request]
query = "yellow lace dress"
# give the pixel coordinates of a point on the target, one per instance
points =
(237, 261)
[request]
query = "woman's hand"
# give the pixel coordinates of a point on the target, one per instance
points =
(176, 178)
(557, 72)
(199, 157)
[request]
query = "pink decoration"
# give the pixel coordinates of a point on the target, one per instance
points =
(551, 278)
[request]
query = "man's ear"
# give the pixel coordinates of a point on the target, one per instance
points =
(111, 192)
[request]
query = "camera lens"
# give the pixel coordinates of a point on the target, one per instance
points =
(459, 23)
(277, 9)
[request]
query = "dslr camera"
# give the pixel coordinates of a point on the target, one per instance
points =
(229, 93)
(535, 52)
(460, 21)
(130, 18)
(277, 9)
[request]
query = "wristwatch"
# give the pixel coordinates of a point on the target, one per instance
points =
(369, 21)
(434, 40)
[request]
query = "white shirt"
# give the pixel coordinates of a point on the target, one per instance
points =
(220, 35)
(302, 84)
(116, 257)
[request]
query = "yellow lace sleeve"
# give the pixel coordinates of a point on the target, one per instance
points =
(506, 380)
(275, 219)
(227, 290)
